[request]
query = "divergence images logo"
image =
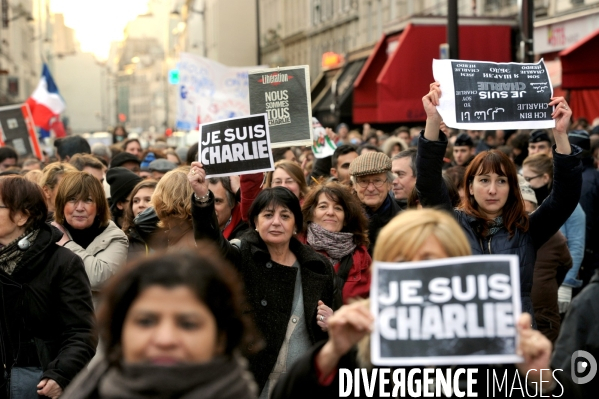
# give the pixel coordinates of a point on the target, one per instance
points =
(579, 367)
(274, 79)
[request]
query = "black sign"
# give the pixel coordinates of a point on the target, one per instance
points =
(235, 146)
(487, 92)
(450, 311)
(283, 94)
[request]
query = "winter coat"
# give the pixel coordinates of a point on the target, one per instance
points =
(269, 287)
(544, 222)
(580, 331)
(46, 311)
(379, 219)
(359, 277)
(553, 262)
(589, 200)
(104, 256)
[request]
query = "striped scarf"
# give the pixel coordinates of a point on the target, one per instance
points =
(334, 244)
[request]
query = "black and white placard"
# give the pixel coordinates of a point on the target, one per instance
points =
(235, 146)
(479, 95)
(284, 94)
(449, 311)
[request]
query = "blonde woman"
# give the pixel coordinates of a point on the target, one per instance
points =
(414, 235)
(52, 174)
(172, 202)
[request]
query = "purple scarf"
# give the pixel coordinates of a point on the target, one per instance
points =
(336, 245)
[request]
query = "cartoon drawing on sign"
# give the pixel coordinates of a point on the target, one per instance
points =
(494, 112)
(540, 87)
(467, 113)
(479, 113)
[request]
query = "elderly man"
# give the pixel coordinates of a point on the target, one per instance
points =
(372, 178)
(403, 166)
(228, 211)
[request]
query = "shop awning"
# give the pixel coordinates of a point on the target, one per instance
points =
(322, 106)
(322, 82)
(398, 72)
(579, 64)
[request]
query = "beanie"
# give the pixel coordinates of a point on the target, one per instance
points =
(121, 181)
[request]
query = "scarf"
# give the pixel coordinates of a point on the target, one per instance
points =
(335, 245)
(491, 228)
(233, 222)
(84, 237)
(11, 254)
(541, 193)
(221, 378)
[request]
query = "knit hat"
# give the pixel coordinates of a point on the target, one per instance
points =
(370, 163)
(463, 140)
(121, 181)
(123, 157)
(162, 165)
(145, 164)
(538, 136)
(528, 194)
(580, 138)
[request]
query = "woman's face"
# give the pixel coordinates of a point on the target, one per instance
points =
(282, 178)
(10, 230)
(275, 225)
(50, 194)
(328, 214)
(431, 249)
(168, 326)
(80, 213)
(490, 192)
(134, 148)
(534, 178)
(141, 200)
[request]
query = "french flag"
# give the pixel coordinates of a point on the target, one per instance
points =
(46, 104)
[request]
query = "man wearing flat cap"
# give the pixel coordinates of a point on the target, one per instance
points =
(540, 143)
(371, 177)
(463, 150)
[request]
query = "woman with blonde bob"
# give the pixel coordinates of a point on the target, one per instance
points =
(83, 215)
(52, 174)
(413, 235)
(172, 202)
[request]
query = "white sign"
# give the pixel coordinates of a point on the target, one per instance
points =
(559, 36)
(209, 91)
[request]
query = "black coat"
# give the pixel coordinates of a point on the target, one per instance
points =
(589, 201)
(47, 316)
(544, 222)
(269, 287)
(379, 219)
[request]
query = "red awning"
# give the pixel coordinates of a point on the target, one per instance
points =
(399, 70)
(579, 64)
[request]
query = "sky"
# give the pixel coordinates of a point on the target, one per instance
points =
(98, 23)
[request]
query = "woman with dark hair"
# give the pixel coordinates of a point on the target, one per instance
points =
(172, 325)
(82, 214)
(335, 226)
(119, 134)
(493, 215)
(284, 279)
(141, 199)
(46, 312)
(133, 146)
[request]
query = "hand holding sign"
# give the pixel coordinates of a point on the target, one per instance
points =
(433, 119)
(197, 179)
(562, 115)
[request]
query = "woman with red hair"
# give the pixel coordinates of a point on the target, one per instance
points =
(492, 213)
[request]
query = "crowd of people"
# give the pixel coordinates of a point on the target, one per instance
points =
(257, 286)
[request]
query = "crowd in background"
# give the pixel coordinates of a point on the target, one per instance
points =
(301, 239)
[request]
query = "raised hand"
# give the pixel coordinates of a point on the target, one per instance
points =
(562, 115)
(197, 179)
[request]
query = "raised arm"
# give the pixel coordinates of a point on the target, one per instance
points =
(205, 223)
(429, 160)
(567, 180)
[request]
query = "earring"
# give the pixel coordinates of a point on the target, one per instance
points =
(24, 243)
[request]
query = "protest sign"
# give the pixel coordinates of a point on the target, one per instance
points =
(284, 94)
(235, 146)
(450, 311)
(209, 91)
(487, 96)
(16, 126)
(322, 146)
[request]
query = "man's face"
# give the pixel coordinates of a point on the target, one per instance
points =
(372, 190)
(7, 163)
(341, 171)
(343, 132)
(405, 136)
(132, 166)
(499, 137)
(461, 154)
(474, 134)
(404, 182)
(97, 173)
(542, 147)
(221, 205)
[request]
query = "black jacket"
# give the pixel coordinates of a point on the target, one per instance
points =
(269, 287)
(544, 222)
(379, 219)
(589, 200)
(47, 316)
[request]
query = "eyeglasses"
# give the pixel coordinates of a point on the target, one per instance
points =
(3, 207)
(378, 183)
(529, 179)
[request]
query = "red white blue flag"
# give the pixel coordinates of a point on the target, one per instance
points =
(46, 104)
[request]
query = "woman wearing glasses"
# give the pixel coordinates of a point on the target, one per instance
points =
(492, 214)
